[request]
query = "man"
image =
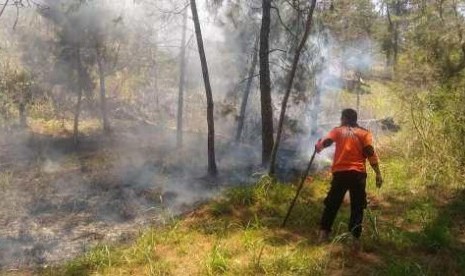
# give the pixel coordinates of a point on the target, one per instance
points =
(353, 146)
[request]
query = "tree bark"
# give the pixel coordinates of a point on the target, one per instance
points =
(212, 170)
(103, 100)
(245, 97)
(265, 85)
(182, 65)
(290, 81)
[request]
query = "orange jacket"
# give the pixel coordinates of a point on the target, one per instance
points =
(353, 146)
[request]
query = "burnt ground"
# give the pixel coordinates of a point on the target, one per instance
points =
(59, 200)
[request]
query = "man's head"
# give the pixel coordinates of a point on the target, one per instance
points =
(349, 117)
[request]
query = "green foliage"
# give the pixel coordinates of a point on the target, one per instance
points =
(293, 262)
(430, 74)
(100, 257)
(217, 261)
(437, 235)
(17, 87)
(403, 267)
(241, 196)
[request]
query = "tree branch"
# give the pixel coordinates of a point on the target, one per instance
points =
(276, 50)
(4, 6)
(282, 22)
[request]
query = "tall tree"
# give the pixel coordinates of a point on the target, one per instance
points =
(182, 73)
(395, 10)
(265, 84)
(80, 87)
(74, 47)
(103, 97)
(212, 170)
(290, 81)
(248, 86)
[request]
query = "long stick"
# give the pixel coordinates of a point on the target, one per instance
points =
(302, 181)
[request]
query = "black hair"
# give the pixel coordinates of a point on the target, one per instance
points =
(350, 115)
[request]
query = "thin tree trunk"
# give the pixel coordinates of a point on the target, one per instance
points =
(22, 115)
(103, 100)
(389, 61)
(395, 45)
(212, 170)
(182, 65)
(265, 85)
(3, 7)
(76, 118)
(79, 99)
(315, 111)
(393, 29)
(245, 97)
(155, 72)
(290, 81)
(396, 33)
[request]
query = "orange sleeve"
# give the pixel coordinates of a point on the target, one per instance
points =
(332, 135)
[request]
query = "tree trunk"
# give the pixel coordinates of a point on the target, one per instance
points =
(265, 85)
(79, 99)
(182, 65)
(156, 91)
(22, 115)
(393, 28)
(395, 46)
(212, 170)
(245, 97)
(103, 100)
(2, 9)
(290, 81)
(315, 110)
(76, 118)
(398, 9)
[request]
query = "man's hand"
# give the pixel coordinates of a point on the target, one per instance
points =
(379, 180)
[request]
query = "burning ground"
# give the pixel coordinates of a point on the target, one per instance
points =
(58, 201)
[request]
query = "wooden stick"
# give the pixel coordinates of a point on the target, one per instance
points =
(302, 181)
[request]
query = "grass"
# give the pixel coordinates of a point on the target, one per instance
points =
(63, 127)
(6, 178)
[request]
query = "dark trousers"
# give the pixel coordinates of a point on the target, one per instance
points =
(355, 182)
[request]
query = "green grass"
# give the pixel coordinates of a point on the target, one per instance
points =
(403, 268)
(6, 179)
(217, 261)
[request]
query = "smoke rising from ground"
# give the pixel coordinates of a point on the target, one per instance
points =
(60, 201)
